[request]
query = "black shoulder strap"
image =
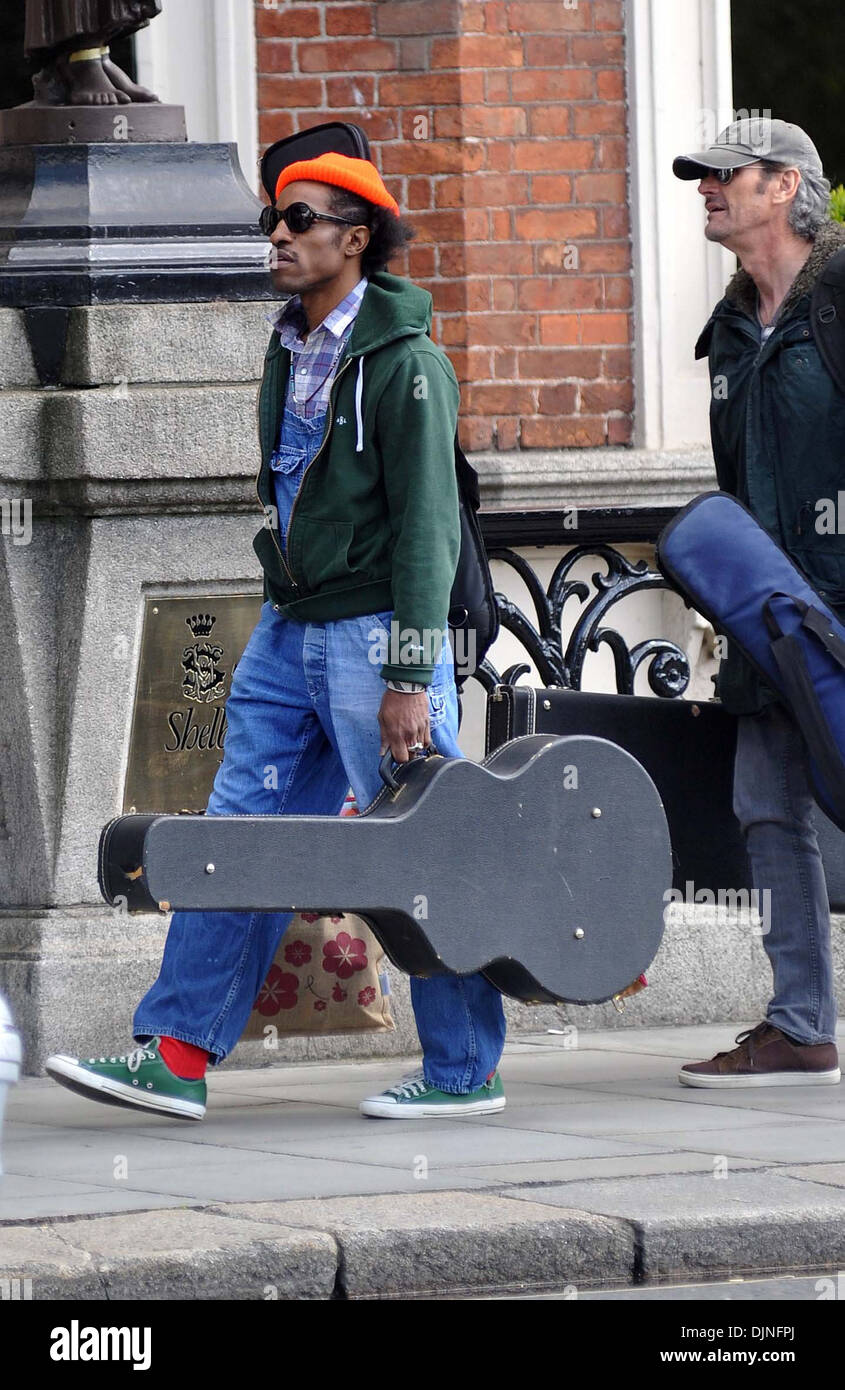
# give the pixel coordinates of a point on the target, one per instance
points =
(827, 315)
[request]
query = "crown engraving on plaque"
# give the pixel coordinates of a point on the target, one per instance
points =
(201, 623)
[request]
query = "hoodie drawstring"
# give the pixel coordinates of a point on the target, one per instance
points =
(359, 413)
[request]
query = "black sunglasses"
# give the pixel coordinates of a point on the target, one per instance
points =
(297, 218)
(725, 175)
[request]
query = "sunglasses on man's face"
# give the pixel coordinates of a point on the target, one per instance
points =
(725, 175)
(297, 218)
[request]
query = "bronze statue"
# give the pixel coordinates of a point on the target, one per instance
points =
(69, 39)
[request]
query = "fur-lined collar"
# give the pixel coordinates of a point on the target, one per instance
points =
(742, 290)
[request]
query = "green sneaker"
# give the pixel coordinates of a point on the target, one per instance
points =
(413, 1097)
(139, 1079)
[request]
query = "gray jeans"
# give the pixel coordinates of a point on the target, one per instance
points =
(774, 806)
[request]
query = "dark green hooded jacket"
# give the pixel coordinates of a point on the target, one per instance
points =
(777, 423)
(375, 523)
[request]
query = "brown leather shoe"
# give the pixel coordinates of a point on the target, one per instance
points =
(766, 1057)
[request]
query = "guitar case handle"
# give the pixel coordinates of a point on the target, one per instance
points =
(388, 762)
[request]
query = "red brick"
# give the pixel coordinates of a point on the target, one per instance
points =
(507, 434)
(475, 434)
(504, 364)
(600, 397)
(555, 84)
(413, 53)
(453, 331)
(472, 364)
(614, 222)
(613, 152)
(497, 85)
(618, 292)
(379, 125)
(605, 328)
(349, 19)
(557, 257)
(597, 52)
(497, 399)
(550, 120)
(616, 364)
(286, 21)
(558, 399)
(477, 51)
(275, 56)
(469, 225)
(506, 329)
(601, 188)
(419, 192)
(610, 85)
(547, 364)
(504, 293)
(551, 188)
(560, 292)
(421, 261)
(431, 89)
(554, 155)
(342, 91)
(607, 14)
(431, 157)
(559, 328)
(546, 16)
(515, 258)
(548, 51)
(605, 255)
(559, 433)
(472, 17)
(274, 125)
(348, 55)
(280, 93)
(499, 155)
(406, 17)
(600, 118)
(542, 225)
(619, 430)
(500, 225)
(491, 122)
(495, 17)
(483, 190)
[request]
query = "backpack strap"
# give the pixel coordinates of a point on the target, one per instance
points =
(827, 316)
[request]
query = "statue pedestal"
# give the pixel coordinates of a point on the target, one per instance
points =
(143, 122)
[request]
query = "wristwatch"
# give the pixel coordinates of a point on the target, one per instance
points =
(406, 687)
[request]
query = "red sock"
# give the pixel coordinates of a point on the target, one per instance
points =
(184, 1059)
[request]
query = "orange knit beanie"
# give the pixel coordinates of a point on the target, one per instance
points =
(357, 175)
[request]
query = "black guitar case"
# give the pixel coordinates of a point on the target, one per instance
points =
(546, 866)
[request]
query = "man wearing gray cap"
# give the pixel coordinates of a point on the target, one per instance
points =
(777, 423)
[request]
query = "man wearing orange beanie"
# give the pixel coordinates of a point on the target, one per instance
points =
(357, 416)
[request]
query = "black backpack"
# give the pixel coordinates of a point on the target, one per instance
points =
(473, 613)
(827, 315)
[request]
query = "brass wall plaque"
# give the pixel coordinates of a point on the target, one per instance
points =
(189, 649)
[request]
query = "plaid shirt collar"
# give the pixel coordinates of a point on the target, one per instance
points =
(292, 327)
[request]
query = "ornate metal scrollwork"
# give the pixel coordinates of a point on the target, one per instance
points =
(668, 668)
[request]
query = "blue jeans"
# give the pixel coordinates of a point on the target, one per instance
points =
(774, 806)
(303, 728)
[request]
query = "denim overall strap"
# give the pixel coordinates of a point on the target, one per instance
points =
(299, 441)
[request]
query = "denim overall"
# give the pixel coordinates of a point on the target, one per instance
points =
(302, 727)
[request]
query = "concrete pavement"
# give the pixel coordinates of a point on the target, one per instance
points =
(601, 1171)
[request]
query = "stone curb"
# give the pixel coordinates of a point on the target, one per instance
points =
(437, 1244)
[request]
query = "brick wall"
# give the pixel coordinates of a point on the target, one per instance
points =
(500, 127)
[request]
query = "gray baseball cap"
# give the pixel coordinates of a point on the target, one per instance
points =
(746, 141)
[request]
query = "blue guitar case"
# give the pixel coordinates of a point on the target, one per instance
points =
(719, 556)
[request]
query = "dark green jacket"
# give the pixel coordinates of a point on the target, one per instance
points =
(375, 523)
(777, 423)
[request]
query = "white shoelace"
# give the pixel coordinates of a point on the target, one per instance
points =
(414, 1084)
(133, 1060)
